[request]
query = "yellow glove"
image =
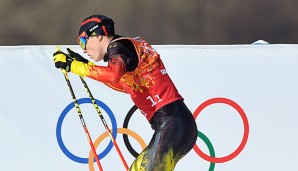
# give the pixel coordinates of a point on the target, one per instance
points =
(77, 56)
(62, 60)
(72, 62)
(79, 65)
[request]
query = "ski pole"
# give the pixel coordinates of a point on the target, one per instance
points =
(82, 119)
(104, 121)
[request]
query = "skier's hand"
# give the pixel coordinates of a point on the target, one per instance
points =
(77, 56)
(62, 60)
(72, 62)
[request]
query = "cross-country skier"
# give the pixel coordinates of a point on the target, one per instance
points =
(135, 68)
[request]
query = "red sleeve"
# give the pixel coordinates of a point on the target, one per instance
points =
(111, 74)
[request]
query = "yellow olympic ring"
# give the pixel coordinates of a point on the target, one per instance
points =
(105, 135)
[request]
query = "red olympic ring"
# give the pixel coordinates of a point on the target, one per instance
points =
(245, 135)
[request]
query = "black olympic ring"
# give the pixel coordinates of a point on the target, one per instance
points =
(125, 137)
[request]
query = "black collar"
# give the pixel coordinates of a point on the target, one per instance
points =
(106, 57)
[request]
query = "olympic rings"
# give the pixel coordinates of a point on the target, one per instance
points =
(104, 135)
(125, 131)
(245, 135)
(59, 125)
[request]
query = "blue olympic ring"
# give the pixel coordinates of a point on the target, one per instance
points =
(59, 125)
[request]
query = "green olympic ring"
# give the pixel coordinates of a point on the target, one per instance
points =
(210, 148)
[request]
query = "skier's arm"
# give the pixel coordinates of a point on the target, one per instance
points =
(111, 74)
(77, 64)
(121, 57)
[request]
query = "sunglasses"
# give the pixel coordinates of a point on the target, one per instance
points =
(82, 40)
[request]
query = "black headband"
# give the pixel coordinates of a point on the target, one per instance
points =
(99, 25)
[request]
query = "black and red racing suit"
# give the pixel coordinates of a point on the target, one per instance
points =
(134, 67)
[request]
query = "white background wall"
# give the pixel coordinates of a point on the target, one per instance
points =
(262, 80)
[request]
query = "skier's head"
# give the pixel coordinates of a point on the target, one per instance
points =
(95, 25)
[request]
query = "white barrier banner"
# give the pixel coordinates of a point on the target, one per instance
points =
(244, 99)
